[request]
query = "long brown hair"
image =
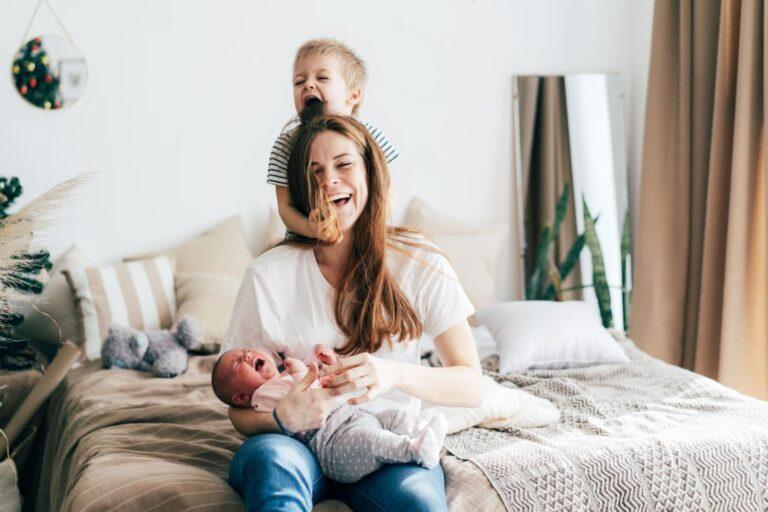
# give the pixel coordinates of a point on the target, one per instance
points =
(370, 307)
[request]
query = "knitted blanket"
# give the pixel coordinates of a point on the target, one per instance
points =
(641, 436)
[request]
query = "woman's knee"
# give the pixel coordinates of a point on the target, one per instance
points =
(275, 460)
(423, 490)
(401, 487)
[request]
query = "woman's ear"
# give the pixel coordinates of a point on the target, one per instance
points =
(241, 399)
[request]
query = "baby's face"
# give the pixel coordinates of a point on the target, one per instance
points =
(319, 77)
(247, 369)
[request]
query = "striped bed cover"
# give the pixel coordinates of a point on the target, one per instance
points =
(121, 440)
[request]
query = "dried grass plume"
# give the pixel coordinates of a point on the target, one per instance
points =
(17, 232)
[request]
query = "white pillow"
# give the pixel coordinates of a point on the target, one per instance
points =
(486, 346)
(546, 334)
(472, 250)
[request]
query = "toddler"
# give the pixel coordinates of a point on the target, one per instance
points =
(325, 71)
(353, 442)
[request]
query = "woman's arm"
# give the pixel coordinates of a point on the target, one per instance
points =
(301, 409)
(457, 384)
(250, 422)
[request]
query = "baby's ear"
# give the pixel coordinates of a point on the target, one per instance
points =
(241, 399)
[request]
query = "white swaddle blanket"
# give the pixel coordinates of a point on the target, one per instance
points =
(502, 407)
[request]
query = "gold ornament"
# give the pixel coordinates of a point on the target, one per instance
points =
(44, 60)
(47, 105)
(16, 69)
(31, 66)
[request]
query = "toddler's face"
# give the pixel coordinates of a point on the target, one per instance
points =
(247, 369)
(319, 77)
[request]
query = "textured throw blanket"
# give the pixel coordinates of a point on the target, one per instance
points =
(642, 436)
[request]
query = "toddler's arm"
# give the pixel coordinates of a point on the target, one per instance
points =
(292, 218)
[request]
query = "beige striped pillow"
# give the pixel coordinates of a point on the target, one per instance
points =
(139, 294)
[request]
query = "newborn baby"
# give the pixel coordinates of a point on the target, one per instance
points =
(353, 442)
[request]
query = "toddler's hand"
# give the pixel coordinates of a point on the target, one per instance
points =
(325, 231)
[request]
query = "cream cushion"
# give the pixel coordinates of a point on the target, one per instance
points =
(220, 250)
(472, 250)
(275, 228)
(502, 407)
(55, 305)
(209, 299)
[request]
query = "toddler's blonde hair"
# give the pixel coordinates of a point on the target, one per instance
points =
(352, 66)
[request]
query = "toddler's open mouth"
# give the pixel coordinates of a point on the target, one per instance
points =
(258, 363)
(311, 100)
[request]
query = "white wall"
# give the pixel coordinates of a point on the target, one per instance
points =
(186, 97)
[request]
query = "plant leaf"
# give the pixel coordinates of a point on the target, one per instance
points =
(570, 261)
(557, 282)
(539, 263)
(626, 251)
(599, 281)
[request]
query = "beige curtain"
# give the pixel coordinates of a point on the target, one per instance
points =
(546, 164)
(701, 285)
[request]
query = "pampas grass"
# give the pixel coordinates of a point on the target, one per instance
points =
(17, 232)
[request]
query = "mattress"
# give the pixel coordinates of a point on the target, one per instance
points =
(639, 436)
(122, 440)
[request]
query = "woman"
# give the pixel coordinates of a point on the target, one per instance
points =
(370, 295)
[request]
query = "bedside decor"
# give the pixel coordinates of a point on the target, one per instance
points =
(9, 494)
(19, 267)
(49, 71)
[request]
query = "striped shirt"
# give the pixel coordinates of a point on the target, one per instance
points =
(277, 171)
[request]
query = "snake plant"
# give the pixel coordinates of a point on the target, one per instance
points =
(545, 282)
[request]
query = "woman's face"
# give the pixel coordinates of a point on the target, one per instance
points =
(339, 170)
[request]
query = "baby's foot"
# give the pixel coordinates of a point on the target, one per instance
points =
(429, 442)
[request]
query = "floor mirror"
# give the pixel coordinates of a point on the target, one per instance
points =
(571, 191)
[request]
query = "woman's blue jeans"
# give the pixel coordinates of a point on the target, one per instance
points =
(277, 472)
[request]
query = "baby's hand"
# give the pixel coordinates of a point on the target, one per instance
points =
(325, 355)
(294, 366)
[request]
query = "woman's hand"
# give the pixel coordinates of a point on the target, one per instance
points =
(361, 371)
(304, 408)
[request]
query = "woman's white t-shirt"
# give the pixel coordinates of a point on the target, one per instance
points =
(286, 306)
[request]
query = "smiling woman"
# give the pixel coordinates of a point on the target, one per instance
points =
(370, 295)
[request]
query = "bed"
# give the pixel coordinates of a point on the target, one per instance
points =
(640, 436)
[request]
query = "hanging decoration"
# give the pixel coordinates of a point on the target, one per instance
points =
(49, 71)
